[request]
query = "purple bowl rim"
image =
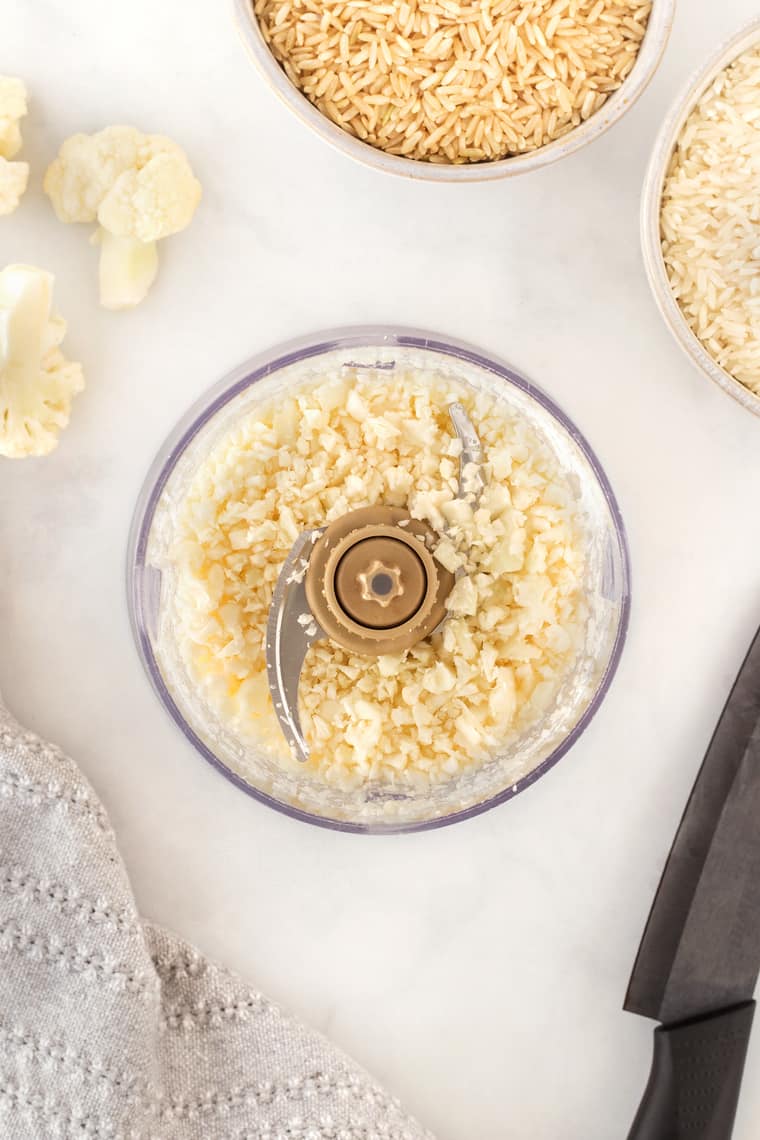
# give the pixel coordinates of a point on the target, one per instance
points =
(245, 376)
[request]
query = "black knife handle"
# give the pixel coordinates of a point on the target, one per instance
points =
(695, 1079)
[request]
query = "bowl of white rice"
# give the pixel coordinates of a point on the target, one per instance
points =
(700, 218)
(457, 90)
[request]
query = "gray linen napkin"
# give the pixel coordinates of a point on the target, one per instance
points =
(114, 1029)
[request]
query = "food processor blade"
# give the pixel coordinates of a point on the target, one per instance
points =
(471, 476)
(291, 629)
(292, 624)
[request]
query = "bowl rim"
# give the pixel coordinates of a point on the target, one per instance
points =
(237, 381)
(650, 53)
(651, 198)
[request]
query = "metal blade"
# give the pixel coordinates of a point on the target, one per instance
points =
(290, 631)
(701, 946)
(471, 477)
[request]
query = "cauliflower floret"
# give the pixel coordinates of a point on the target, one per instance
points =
(154, 202)
(13, 179)
(88, 166)
(37, 384)
(13, 175)
(12, 111)
(140, 188)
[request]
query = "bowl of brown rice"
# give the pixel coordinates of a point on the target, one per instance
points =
(700, 218)
(457, 90)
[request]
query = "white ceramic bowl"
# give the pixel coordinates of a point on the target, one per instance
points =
(745, 38)
(652, 47)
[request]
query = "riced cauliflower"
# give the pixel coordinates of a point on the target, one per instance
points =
(37, 383)
(139, 188)
(517, 613)
(14, 176)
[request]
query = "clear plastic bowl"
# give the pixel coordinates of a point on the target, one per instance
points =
(302, 794)
(647, 61)
(651, 198)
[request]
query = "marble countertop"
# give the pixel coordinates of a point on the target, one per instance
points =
(478, 970)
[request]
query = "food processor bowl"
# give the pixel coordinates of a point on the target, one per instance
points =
(299, 791)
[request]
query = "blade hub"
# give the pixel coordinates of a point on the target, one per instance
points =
(380, 581)
(373, 584)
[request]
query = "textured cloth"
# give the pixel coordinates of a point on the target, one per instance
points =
(113, 1029)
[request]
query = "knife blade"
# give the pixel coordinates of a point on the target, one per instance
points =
(699, 958)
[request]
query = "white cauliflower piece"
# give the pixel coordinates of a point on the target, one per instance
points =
(152, 202)
(140, 188)
(126, 271)
(88, 166)
(439, 679)
(14, 176)
(463, 599)
(12, 111)
(448, 556)
(37, 384)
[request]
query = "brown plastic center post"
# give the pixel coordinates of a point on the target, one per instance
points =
(373, 584)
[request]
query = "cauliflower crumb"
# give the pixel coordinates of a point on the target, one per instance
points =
(463, 599)
(516, 612)
(448, 556)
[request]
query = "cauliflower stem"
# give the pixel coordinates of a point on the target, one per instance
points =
(128, 268)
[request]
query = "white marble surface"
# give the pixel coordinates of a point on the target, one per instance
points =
(479, 970)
